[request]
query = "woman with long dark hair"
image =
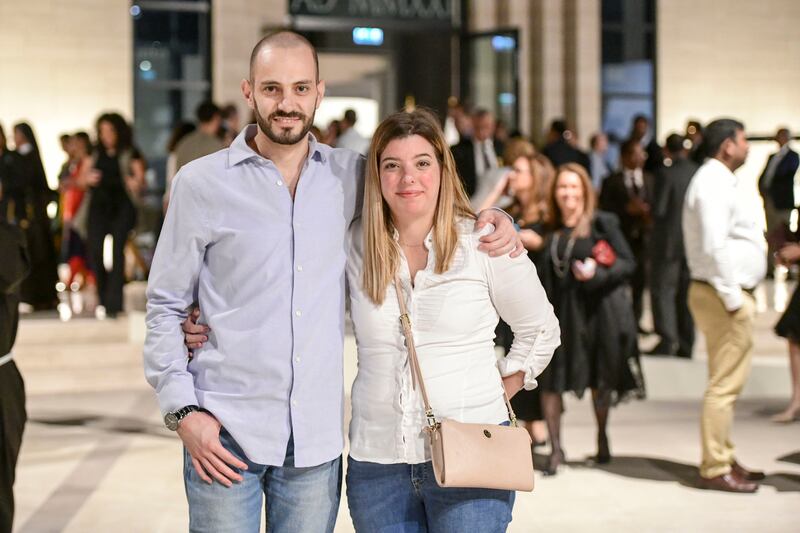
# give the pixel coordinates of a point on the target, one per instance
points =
(116, 180)
(33, 194)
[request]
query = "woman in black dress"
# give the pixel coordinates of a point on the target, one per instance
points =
(116, 181)
(788, 327)
(585, 268)
(33, 194)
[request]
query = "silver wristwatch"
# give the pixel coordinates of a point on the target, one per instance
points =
(173, 420)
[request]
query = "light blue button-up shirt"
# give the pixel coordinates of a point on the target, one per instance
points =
(268, 273)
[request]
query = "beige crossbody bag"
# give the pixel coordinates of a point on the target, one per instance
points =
(465, 455)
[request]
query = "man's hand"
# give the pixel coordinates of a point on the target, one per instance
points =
(504, 239)
(514, 383)
(194, 334)
(199, 432)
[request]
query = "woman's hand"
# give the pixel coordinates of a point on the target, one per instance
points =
(531, 240)
(584, 270)
(194, 334)
(514, 383)
(504, 239)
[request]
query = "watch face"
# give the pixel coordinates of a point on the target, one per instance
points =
(171, 421)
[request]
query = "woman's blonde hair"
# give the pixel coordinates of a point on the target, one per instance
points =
(554, 219)
(381, 252)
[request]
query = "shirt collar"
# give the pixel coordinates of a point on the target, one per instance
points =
(635, 174)
(241, 151)
(428, 242)
(719, 166)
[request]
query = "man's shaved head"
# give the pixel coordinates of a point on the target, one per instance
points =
(282, 39)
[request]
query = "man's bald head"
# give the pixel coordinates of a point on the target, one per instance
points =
(282, 39)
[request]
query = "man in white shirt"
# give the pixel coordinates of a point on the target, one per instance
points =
(726, 254)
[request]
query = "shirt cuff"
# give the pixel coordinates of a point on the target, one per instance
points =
(510, 366)
(732, 300)
(177, 392)
(506, 214)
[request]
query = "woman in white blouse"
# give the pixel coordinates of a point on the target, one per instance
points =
(417, 225)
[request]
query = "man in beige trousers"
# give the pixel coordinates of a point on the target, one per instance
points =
(726, 254)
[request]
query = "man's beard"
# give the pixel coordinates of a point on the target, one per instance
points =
(284, 135)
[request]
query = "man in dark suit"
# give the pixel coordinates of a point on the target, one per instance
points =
(477, 155)
(639, 133)
(776, 186)
(669, 277)
(629, 194)
(560, 148)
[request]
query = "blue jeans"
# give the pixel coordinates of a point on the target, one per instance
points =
(404, 498)
(297, 499)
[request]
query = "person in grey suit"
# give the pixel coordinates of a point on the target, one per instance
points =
(669, 282)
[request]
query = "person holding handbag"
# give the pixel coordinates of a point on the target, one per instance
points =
(414, 253)
(585, 268)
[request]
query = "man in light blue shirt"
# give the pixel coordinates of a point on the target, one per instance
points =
(255, 234)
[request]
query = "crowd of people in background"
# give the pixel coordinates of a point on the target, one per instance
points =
(645, 190)
(75, 268)
(601, 232)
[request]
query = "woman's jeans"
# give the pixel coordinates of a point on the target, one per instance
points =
(404, 498)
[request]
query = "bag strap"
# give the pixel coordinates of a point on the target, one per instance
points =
(416, 371)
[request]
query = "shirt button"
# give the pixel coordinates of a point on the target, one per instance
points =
(294, 402)
(279, 183)
(299, 268)
(298, 313)
(297, 359)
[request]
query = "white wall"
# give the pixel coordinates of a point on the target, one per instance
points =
(62, 64)
(729, 57)
(237, 25)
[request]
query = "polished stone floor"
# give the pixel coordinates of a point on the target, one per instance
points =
(97, 459)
